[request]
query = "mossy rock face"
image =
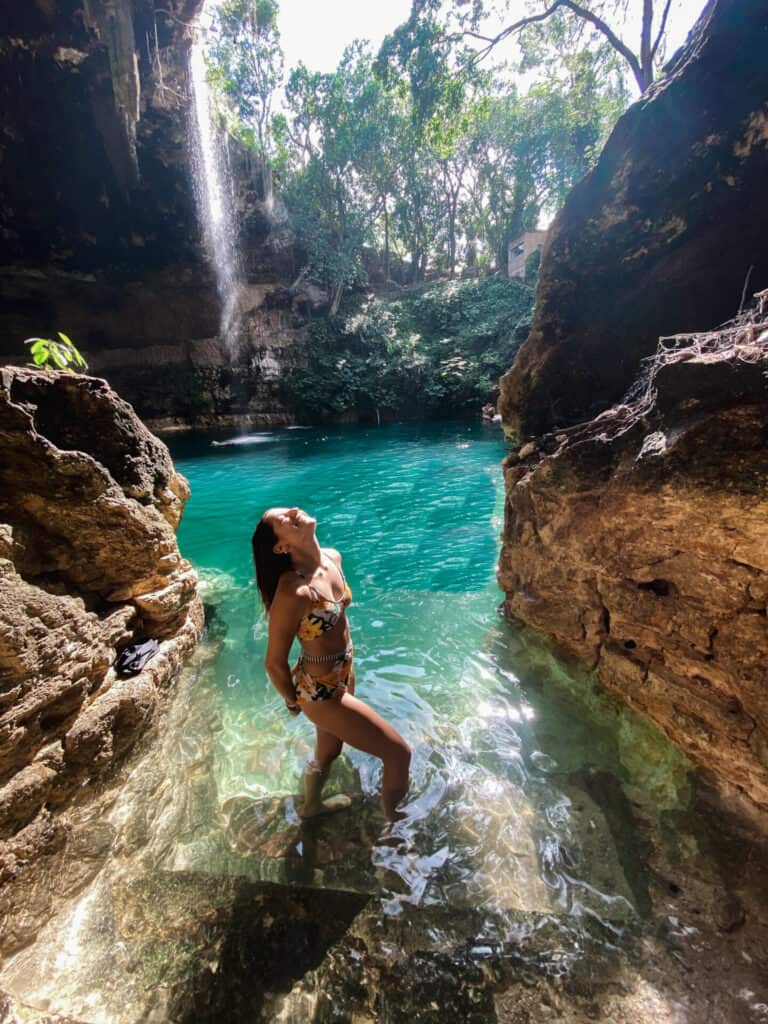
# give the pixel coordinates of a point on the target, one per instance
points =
(659, 238)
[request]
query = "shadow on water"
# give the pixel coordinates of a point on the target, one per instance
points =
(254, 950)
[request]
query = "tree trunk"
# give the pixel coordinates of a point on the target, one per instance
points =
(415, 265)
(386, 240)
(266, 179)
(338, 291)
(452, 240)
(646, 54)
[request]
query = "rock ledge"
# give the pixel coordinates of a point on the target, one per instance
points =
(638, 542)
(89, 504)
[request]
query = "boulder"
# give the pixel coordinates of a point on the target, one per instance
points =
(89, 503)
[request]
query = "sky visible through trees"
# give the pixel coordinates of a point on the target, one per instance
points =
(413, 158)
(317, 34)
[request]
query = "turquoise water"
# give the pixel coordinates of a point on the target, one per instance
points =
(500, 812)
(552, 841)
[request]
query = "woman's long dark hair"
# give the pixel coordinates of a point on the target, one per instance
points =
(269, 566)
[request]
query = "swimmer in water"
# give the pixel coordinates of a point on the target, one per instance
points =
(306, 595)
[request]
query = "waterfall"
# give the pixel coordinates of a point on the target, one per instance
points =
(214, 191)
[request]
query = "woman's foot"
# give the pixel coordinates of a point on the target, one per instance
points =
(339, 802)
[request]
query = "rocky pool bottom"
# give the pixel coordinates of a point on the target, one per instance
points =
(152, 904)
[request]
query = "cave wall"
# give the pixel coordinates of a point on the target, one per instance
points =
(660, 236)
(89, 564)
(99, 234)
(635, 532)
(638, 543)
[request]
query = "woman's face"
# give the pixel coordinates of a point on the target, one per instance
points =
(290, 526)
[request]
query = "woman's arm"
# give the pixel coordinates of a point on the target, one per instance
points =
(284, 618)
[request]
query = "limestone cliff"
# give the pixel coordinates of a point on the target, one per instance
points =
(660, 237)
(89, 504)
(99, 235)
(638, 541)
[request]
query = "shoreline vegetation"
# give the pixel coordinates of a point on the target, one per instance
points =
(440, 349)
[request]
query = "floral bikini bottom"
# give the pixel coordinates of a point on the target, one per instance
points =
(331, 685)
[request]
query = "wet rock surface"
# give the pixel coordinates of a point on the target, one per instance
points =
(661, 235)
(639, 543)
(89, 503)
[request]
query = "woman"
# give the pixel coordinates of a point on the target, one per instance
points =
(306, 596)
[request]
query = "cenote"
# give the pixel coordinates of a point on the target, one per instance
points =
(554, 853)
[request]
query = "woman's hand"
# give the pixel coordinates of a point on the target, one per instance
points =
(293, 708)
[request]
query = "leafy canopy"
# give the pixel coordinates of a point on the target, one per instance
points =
(440, 349)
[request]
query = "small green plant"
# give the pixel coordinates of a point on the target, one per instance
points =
(49, 354)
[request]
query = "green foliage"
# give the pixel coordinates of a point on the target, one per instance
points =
(245, 67)
(332, 229)
(416, 161)
(443, 41)
(436, 353)
(55, 355)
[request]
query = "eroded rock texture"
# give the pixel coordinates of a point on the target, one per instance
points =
(659, 238)
(639, 543)
(99, 234)
(89, 504)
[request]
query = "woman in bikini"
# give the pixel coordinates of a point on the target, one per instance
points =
(306, 595)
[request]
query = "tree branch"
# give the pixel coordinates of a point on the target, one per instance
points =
(509, 30)
(580, 12)
(662, 28)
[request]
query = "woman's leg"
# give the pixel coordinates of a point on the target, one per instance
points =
(327, 749)
(353, 722)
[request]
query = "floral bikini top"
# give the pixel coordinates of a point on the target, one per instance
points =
(325, 612)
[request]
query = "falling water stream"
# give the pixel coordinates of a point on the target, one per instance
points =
(213, 186)
(556, 861)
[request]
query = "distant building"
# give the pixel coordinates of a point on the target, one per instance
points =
(520, 249)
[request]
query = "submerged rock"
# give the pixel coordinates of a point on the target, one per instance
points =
(89, 503)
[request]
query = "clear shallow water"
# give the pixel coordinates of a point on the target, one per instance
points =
(498, 814)
(552, 848)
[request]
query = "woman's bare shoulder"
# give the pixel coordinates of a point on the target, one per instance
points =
(291, 589)
(333, 554)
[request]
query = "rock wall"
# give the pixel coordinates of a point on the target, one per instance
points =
(639, 543)
(636, 533)
(89, 504)
(660, 237)
(99, 235)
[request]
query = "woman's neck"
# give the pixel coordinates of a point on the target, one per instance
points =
(306, 561)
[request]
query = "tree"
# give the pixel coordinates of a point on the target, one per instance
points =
(641, 62)
(333, 127)
(245, 64)
(403, 158)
